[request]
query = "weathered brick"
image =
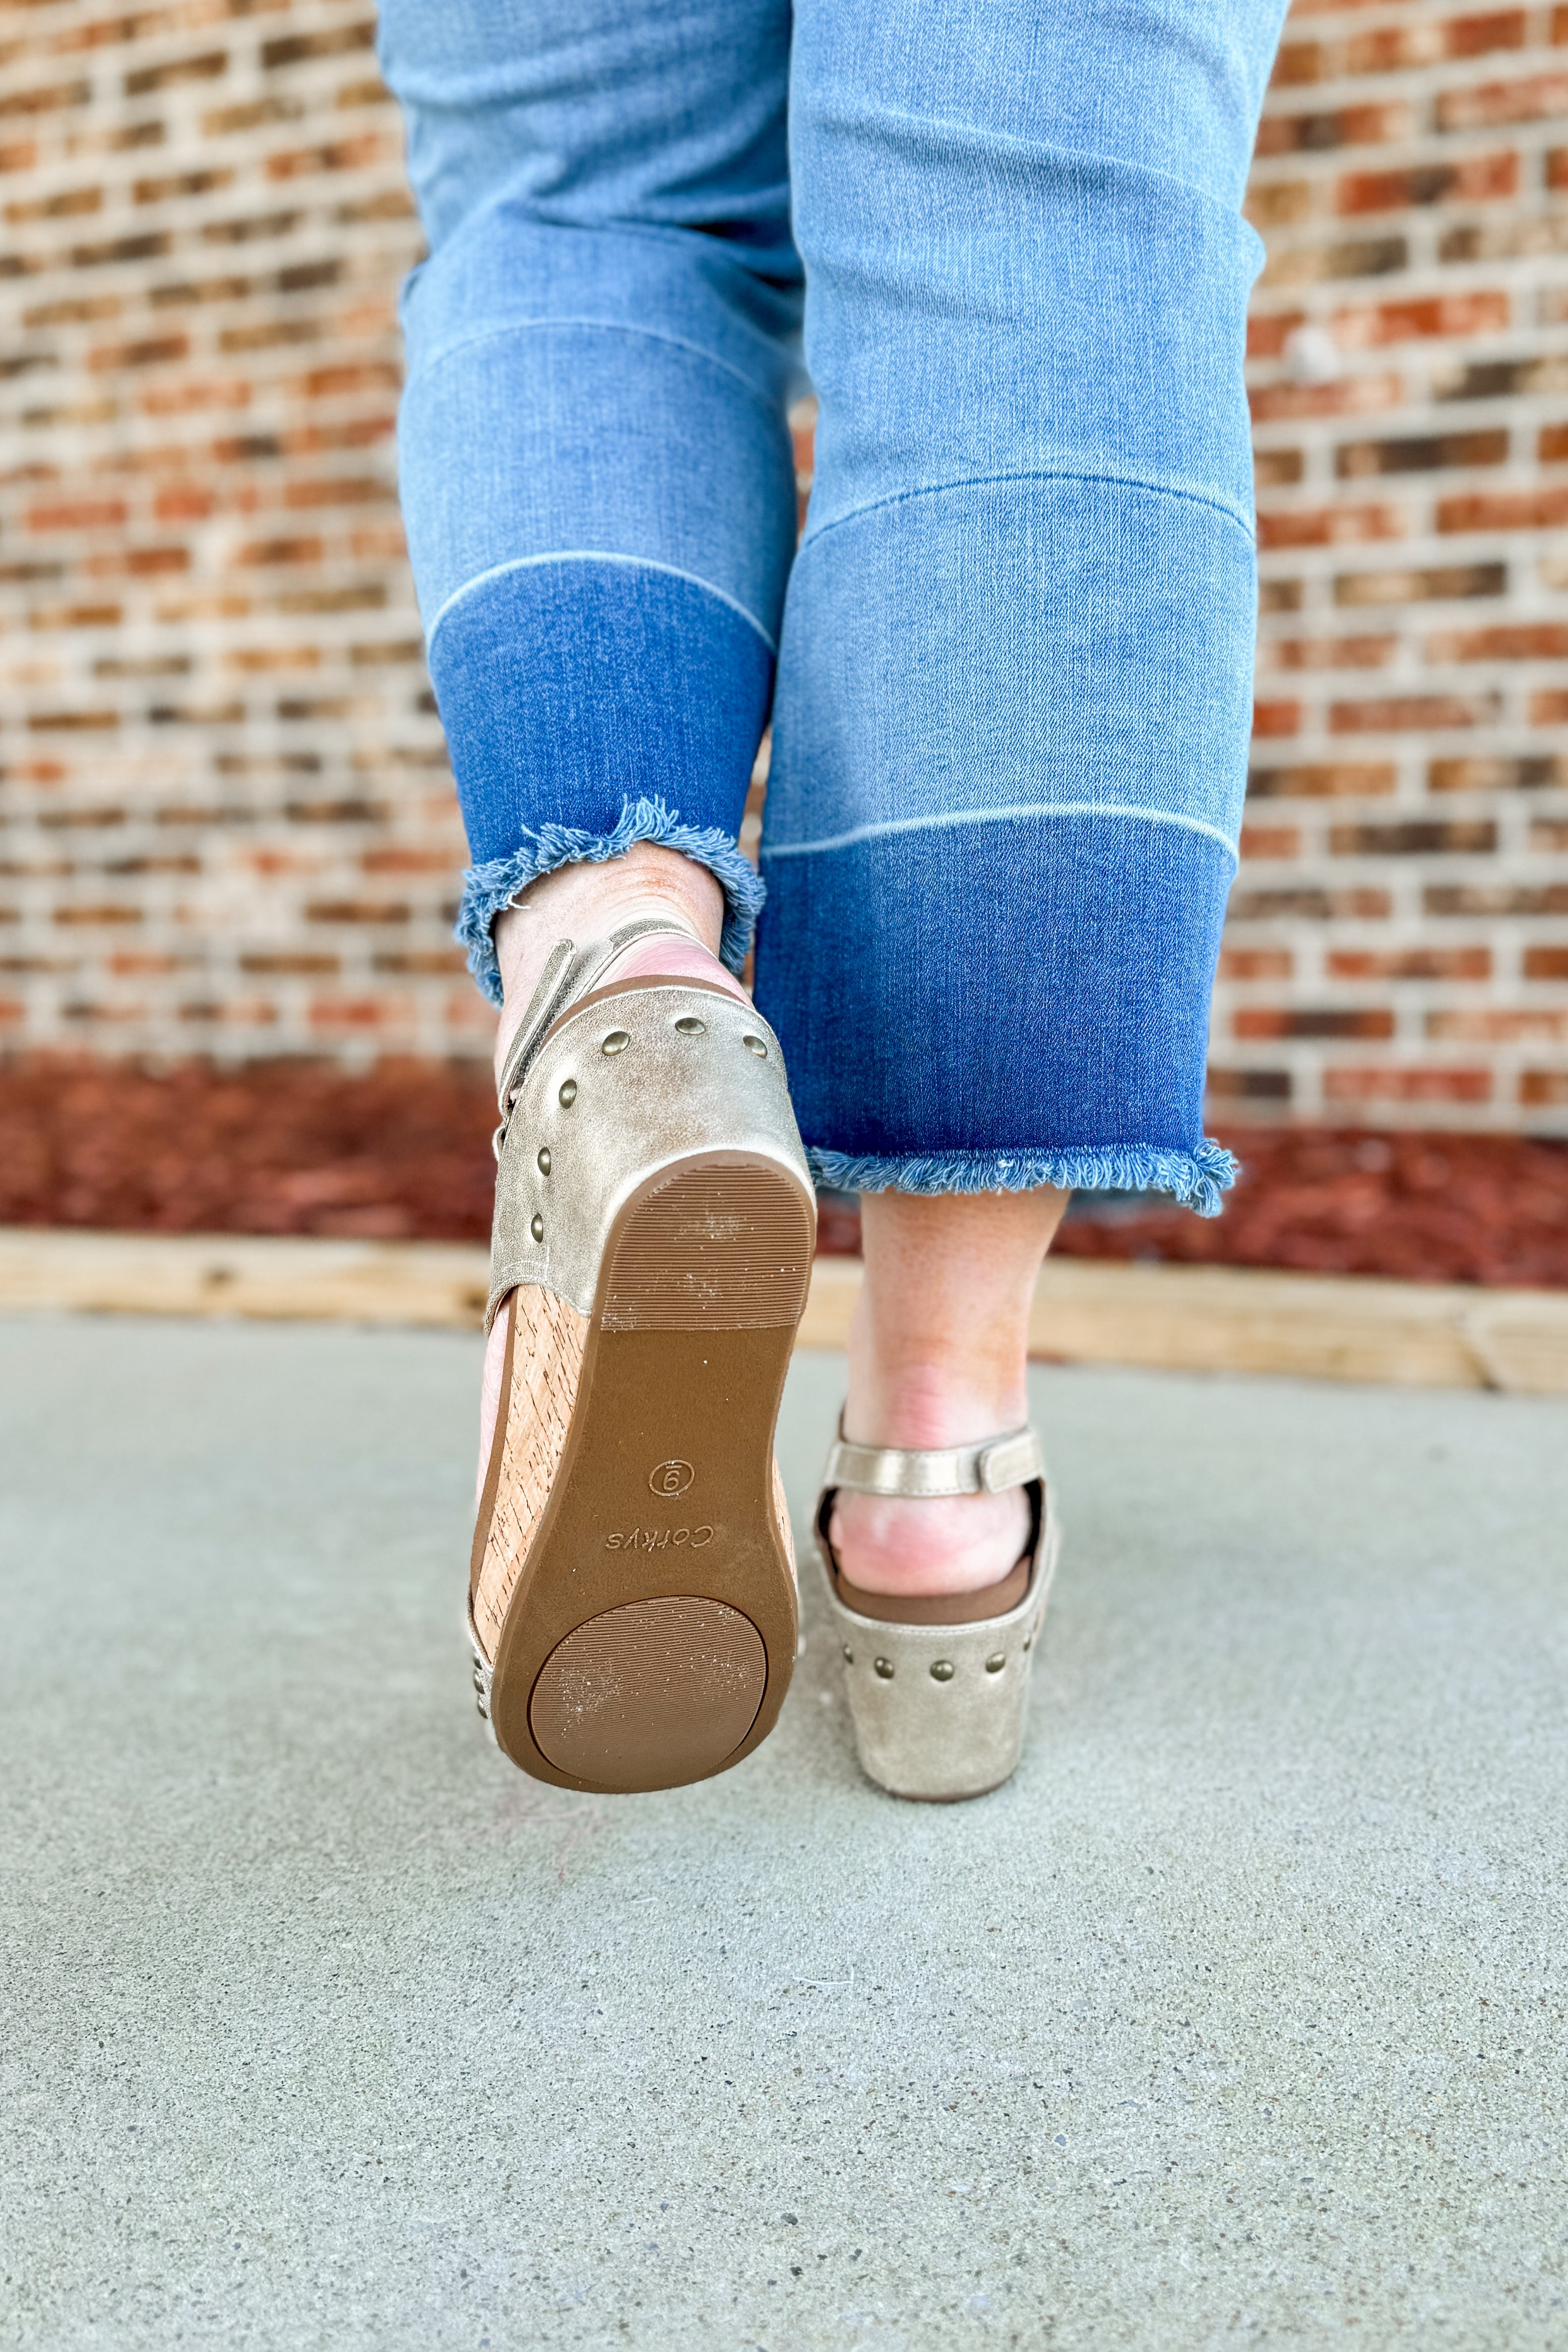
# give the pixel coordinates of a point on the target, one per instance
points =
(1399, 713)
(1493, 774)
(1322, 780)
(142, 81)
(1368, 325)
(1313, 903)
(1336, 526)
(1431, 583)
(1520, 641)
(1532, 509)
(1345, 126)
(1256, 963)
(1422, 453)
(1270, 841)
(1252, 1087)
(1406, 1083)
(1531, 99)
(1314, 1021)
(1414, 837)
(1409, 964)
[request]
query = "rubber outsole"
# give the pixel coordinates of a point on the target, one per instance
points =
(651, 1631)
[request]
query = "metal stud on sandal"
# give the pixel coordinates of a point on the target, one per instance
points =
(938, 1694)
(631, 1589)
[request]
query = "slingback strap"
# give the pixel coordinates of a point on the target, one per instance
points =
(1012, 1459)
(569, 972)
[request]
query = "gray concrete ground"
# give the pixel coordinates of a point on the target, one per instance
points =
(1236, 2019)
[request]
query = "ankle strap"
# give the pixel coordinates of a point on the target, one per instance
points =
(989, 1468)
(570, 972)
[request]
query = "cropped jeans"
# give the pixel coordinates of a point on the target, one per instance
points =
(1008, 666)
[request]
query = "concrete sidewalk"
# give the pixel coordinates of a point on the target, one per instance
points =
(1237, 2019)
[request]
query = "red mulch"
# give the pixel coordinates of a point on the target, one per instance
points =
(404, 1151)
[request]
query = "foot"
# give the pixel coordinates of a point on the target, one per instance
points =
(939, 1353)
(583, 903)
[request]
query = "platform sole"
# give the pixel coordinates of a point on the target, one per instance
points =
(650, 1619)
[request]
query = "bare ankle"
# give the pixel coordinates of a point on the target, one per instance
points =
(939, 1355)
(584, 901)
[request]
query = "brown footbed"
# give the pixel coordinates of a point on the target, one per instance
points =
(651, 1632)
(937, 1608)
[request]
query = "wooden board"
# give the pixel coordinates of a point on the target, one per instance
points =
(1173, 1318)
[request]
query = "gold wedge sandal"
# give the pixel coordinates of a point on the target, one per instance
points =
(937, 1691)
(632, 1590)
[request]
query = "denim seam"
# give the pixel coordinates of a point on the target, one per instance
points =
(598, 327)
(493, 886)
(594, 555)
(1035, 474)
(998, 816)
(1196, 1179)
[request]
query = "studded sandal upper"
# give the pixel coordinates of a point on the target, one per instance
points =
(606, 1083)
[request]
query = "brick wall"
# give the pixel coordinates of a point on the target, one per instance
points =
(1398, 938)
(228, 820)
(226, 823)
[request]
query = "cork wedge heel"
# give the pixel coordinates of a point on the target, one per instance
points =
(631, 1592)
(938, 1687)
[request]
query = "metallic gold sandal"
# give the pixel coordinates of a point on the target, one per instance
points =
(938, 1695)
(631, 1589)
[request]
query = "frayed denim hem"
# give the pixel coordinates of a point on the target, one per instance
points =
(1197, 1178)
(487, 888)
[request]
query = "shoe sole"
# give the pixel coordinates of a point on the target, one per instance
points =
(650, 1635)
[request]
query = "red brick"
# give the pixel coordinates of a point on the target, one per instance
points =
(1502, 898)
(1312, 903)
(76, 514)
(1270, 841)
(1546, 964)
(1414, 837)
(1249, 1085)
(1390, 713)
(1477, 179)
(1533, 510)
(1276, 718)
(1425, 453)
(1408, 1085)
(1353, 396)
(1549, 707)
(1256, 963)
(1540, 1088)
(1485, 1025)
(1369, 325)
(1393, 47)
(1336, 526)
(1329, 653)
(1492, 773)
(1347, 126)
(142, 81)
(1338, 780)
(149, 350)
(1410, 963)
(1326, 1021)
(1528, 100)
(1523, 640)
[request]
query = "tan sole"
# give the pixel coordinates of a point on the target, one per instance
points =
(633, 1581)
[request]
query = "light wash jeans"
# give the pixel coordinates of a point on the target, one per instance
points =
(1010, 667)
